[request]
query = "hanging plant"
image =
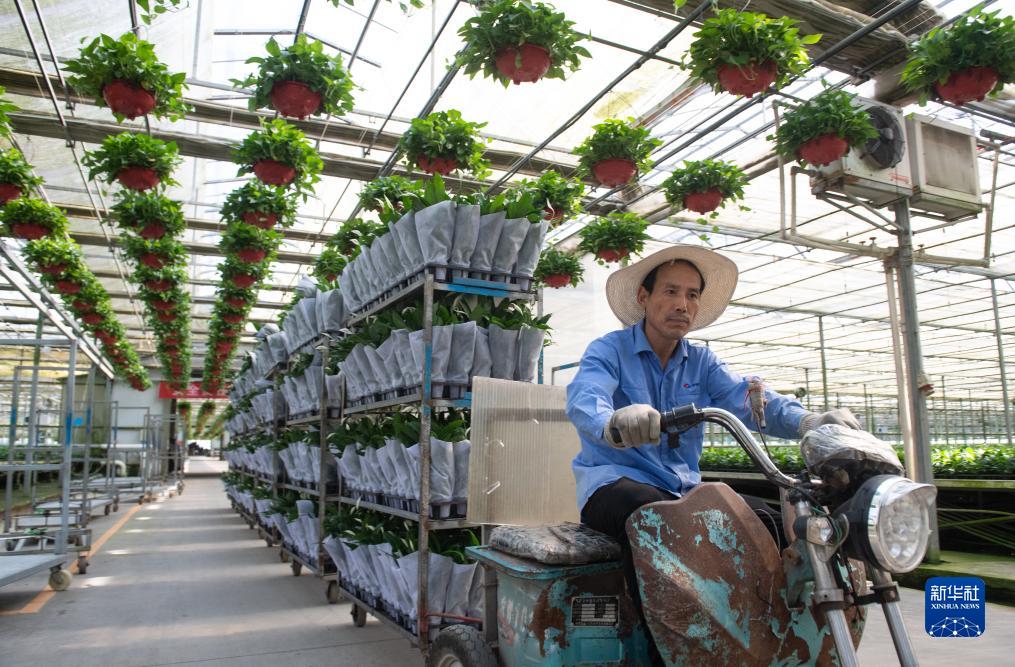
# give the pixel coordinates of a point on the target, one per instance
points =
(744, 53)
(85, 292)
(151, 216)
(32, 219)
(330, 264)
(559, 198)
(966, 61)
(822, 129)
(99, 316)
(520, 41)
(259, 205)
(444, 142)
(241, 275)
(299, 80)
(160, 254)
(16, 176)
(53, 255)
(354, 235)
(704, 185)
(125, 75)
(614, 238)
(616, 152)
(159, 280)
(137, 161)
(558, 269)
(238, 299)
(279, 154)
(6, 107)
(248, 244)
(390, 194)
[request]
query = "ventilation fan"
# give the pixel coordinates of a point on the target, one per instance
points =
(887, 150)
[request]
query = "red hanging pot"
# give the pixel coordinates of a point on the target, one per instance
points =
(67, 287)
(614, 172)
(552, 214)
(232, 318)
(747, 79)
(166, 316)
(236, 302)
(106, 338)
(159, 285)
(29, 230)
(228, 333)
(224, 346)
(967, 85)
(162, 304)
(436, 165)
(52, 269)
(243, 280)
(127, 98)
(823, 150)
(82, 307)
(703, 202)
(8, 192)
(152, 231)
(91, 318)
(259, 219)
(295, 99)
(171, 341)
(274, 173)
(138, 178)
(612, 254)
(152, 260)
(526, 63)
(137, 385)
(251, 255)
(331, 277)
(558, 280)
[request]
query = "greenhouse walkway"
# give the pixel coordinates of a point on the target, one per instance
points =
(183, 581)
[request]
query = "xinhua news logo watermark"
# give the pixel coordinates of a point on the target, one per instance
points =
(955, 607)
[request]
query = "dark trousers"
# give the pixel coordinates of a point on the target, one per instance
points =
(610, 506)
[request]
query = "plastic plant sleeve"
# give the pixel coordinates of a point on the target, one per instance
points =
(367, 372)
(392, 373)
(405, 467)
(512, 235)
(530, 344)
(482, 364)
(314, 376)
(383, 271)
(308, 309)
(505, 342)
(438, 577)
(385, 566)
(466, 235)
(405, 228)
(389, 474)
(486, 241)
(306, 287)
(334, 549)
(476, 595)
(418, 353)
(392, 261)
(377, 368)
(278, 343)
(404, 268)
(463, 350)
(346, 284)
(459, 587)
(372, 470)
(403, 358)
(333, 387)
(461, 488)
(440, 357)
(442, 471)
(349, 465)
(435, 227)
(367, 277)
(528, 255)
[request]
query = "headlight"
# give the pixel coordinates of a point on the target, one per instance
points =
(889, 522)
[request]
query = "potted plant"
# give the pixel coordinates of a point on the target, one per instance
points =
(164, 252)
(390, 193)
(966, 61)
(6, 107)
(248, 244)
(236, 298)
(125, 75)
(822, 129)
(165, 301)
(330, 263)
(279, 154)
(443, 142)
(354, 235)
(518, 40)
(137, 161)
(744, 53)
(613, 238)
(704, 185)
(53, 255)
(616, 152)
(299, 80)
(558, 197)
(32, 219)
(259, 205)
(16, 177)
(242, 275)
(558, 269)
(158, 280)
(150, 215)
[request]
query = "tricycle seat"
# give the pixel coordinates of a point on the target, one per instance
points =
(562, 544)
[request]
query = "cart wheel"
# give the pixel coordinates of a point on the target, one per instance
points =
(140, 501)
(116, 507)
(359, 616)
(82, 565)
(283, 556)
(105, 510)
(59, 580)
(461, 646)
(297, 568)
(10, 545)
(267, 542)
(332, 593)
(250, 525)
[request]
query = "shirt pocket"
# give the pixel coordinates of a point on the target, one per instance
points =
(631, 394)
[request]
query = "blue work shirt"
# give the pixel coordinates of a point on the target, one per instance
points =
(621, 369)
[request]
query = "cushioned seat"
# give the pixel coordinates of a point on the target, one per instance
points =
(563, 544)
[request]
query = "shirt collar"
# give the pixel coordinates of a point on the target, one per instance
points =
(641, 343)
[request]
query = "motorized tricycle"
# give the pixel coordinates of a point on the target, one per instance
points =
(715, 588)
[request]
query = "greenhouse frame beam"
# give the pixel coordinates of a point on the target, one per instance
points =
(286, 256)
(1001, 362)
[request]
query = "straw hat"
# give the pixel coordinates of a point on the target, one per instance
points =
(719, 272)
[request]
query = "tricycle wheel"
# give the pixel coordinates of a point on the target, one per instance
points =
(461, 646)
(359, 616)
(297, 567)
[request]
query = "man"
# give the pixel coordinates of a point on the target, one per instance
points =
(627, 377)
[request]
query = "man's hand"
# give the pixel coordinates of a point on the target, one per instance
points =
(633, 425)
(840, 416)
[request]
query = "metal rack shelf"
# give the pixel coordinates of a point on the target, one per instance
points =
(432, 524)
(303, 563)
(409, 400)
(380, 616)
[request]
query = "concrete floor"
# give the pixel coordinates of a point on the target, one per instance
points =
(182, 581)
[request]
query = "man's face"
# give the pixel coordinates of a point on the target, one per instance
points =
(672, 305)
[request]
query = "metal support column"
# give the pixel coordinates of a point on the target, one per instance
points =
(68, 425)
(1000, 363)
(921, 464)
(824, 362)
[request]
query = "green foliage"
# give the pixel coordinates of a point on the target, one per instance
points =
(14, 170)
(389, 195)
(136, 209)
(354, 235)
(150, 9)
(254, 196)
(171, 250)
(26, 210)
(553, 262)
(127, 149)
(232, 266)
(614, 138)
(239, 236)
(330, 264)
(404, 5)
(279, 141)
(53, 250)
(515, 204)
(445, 134)
(976, 39)
(554, 194)
(204, 413)
(507, 23)
(741, 38)
(829, 112)
(703, 175)
(616, 231)
(306, 62)
(6, 107)
(131, 59)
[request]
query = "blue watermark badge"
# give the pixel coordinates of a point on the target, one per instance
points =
(955, 607)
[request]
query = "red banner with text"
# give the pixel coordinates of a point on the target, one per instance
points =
(193, 390)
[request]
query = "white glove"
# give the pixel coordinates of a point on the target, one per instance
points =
(632, 426)
(841, 416)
